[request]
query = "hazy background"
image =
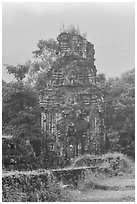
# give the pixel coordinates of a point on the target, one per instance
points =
(109, 26)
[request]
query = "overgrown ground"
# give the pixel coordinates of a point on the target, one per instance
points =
(115, 189)
(113, 181)
(117, 185)
(101, 189)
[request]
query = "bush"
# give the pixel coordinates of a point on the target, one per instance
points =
(86, 160)
(111, 163)
(32, 186)
(117, 163)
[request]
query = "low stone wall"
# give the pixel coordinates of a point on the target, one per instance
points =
(67, 175)
(71, 175)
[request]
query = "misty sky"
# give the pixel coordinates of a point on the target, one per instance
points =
(109, 26)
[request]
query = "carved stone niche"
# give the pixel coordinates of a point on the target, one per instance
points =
(64, 39)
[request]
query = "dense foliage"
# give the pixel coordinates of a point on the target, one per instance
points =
(31, 187)
(20, 110)
(120, 113)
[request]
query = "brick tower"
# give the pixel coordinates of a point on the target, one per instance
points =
(71, 113)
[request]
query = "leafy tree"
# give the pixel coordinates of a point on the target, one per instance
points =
(18, 71)
(120, 111)
(20, 106)
(44, 58)
(20, 110)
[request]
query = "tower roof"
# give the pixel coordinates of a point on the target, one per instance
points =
(73, 43)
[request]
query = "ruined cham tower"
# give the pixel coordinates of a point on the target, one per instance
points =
(71, 113)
